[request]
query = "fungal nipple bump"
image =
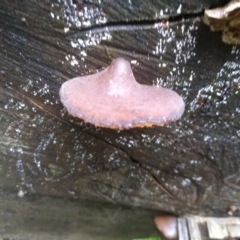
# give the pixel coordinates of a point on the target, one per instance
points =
(120, 66)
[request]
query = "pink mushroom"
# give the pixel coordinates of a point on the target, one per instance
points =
(113, 98)
(167, 225)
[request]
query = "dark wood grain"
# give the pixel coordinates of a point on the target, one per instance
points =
(190, 166)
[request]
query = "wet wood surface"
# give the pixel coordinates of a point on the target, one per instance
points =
(186, 167)
(197, 228)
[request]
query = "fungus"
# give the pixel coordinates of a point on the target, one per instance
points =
(167, 225)
(113, 98)
(226, 19)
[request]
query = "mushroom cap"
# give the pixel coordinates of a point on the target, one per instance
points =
(113, 98)
(167, 225)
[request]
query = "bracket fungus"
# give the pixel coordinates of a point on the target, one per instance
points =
(113, 98)
(225, 19)
(167, 225)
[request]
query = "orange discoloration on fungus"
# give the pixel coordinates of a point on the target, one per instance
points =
(113, 98)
